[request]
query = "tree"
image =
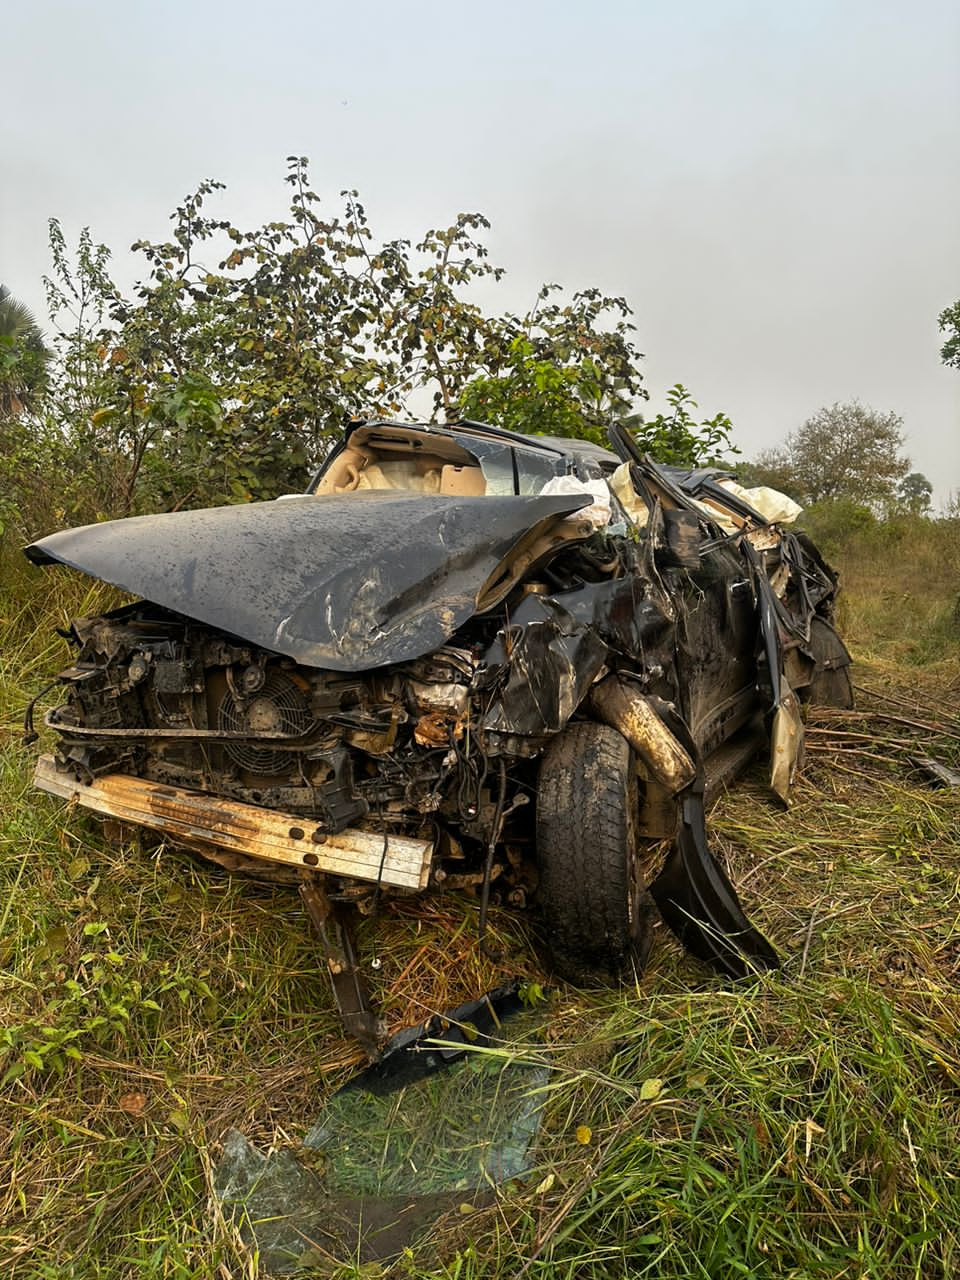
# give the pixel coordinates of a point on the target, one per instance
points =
(529, 395)
(842, 451)
(770, 467)
(915, 492)
(678, 439)
(233, 364)
(564, 369)
(23, 356)
(226, 373)
(949, 321)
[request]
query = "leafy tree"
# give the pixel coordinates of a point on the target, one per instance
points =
(435, 334)
(677, 438)
(770, 467)
(227, 371)
(949, 321)
(23, 356)
(235, 361)
(220, 379)
(915, 492)
(28, 449)
(842, 451)
(564, 369)
(528, 395)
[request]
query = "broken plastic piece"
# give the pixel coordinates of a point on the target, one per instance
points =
(700, 905)
(693, 893)
(941, 775)
(416, 1052)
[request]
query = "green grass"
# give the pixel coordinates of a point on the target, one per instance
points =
(806, 1124)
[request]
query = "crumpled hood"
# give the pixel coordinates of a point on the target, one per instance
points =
(345, 583)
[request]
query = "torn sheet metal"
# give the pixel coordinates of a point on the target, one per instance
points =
(544, 660)
(700, 905)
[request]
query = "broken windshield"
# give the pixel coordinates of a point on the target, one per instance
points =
(436, 1125)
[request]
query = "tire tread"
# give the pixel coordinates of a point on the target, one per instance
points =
(584, 831)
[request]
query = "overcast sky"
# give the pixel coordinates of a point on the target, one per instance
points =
(774, 186)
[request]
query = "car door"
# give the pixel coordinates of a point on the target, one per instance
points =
(716, 646)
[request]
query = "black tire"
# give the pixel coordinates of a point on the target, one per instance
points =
(593, 901)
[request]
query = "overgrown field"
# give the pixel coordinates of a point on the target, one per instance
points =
(804, 1125)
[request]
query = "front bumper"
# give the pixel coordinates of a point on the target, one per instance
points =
(196, 819)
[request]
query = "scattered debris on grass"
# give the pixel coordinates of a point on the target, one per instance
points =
(383, 1163)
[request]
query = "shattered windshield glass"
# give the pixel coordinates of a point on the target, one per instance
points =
(439, 1126)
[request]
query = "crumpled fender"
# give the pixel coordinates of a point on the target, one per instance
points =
(544, 661)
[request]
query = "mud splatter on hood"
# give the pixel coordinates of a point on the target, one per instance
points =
(341, 583)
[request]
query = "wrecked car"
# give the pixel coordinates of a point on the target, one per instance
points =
(511, 665)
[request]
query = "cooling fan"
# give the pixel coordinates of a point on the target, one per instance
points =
(278, 706)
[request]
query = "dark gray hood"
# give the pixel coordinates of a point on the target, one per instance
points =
(345, 583)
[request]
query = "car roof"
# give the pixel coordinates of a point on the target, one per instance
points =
(572, 444)
(566, 445)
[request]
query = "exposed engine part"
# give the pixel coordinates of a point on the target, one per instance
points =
(275, 706)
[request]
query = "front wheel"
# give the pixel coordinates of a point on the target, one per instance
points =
(592, 884)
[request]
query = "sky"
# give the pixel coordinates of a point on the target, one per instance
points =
(774, 187)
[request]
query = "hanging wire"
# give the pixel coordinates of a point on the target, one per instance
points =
(488, 866)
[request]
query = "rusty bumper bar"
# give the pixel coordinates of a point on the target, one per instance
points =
(195, 818)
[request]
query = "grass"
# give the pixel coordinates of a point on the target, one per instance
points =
(804, 1125)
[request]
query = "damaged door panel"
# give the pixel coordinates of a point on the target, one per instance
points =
(379, 686)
